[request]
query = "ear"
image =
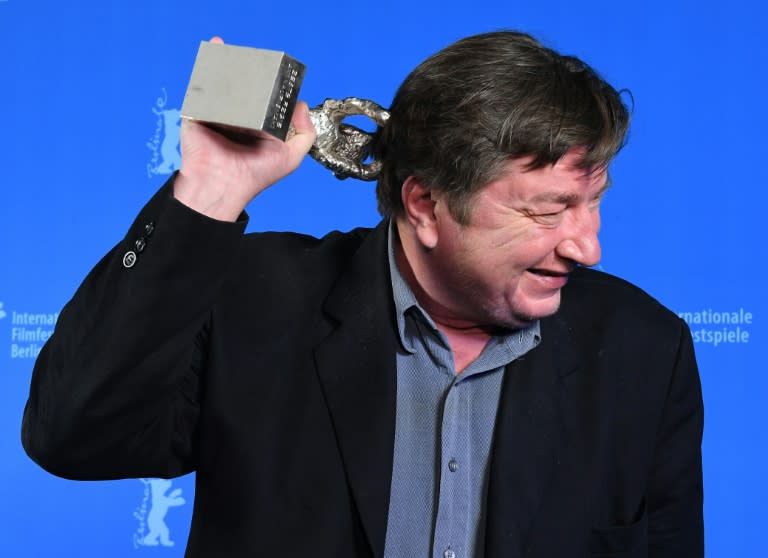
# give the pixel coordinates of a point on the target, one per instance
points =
(420, 211)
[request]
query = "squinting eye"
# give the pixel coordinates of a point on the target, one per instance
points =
(550, 214)
(552, 218)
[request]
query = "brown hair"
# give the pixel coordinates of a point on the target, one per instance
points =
(461, 115)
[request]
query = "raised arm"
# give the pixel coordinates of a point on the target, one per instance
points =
(115, 392)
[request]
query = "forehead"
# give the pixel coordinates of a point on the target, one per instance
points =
(566, 178)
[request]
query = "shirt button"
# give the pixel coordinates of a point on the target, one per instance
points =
(449, 554)
(453, 466)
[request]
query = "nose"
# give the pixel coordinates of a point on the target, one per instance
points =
(580, 243)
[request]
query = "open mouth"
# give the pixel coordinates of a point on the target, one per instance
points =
(549, 279)
(548, 273)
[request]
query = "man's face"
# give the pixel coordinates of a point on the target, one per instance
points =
(527, 231)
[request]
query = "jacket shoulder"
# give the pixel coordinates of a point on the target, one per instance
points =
(614, 301)
(290, 274)
(282, 254)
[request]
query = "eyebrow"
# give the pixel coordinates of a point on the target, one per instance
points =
(567, 198)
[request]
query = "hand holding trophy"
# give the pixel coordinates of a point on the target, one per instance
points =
(254, 92)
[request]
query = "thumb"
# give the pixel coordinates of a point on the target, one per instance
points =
(304, 132)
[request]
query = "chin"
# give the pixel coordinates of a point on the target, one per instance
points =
(535, 310)
(513, 321)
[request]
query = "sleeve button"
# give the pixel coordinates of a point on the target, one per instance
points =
(129, 259)
(140, 244)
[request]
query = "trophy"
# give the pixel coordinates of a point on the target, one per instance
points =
(254, 91)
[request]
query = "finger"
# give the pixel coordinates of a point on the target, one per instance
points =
(301, 120)
(218, 40)
(305, 133)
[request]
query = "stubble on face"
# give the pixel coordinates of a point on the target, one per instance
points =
(505, 267)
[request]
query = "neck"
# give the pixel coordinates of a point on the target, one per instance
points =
(466, 339)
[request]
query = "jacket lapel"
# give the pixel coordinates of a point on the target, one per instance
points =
(357, 369)
(528, 436)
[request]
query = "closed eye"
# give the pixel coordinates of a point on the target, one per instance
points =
(552, 214)
(549, 218)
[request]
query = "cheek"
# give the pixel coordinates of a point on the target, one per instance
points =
(501, 254)
(528, 252)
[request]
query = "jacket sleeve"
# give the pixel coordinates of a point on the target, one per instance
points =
(675, 495)
(115, 391)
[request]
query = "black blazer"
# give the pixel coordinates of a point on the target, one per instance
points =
(266, 363)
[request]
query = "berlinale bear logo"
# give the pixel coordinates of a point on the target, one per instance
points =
(164, 143)
(153, 519)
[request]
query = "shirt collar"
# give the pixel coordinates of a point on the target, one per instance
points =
(402, 293)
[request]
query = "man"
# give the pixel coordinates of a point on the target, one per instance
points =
(452, 383)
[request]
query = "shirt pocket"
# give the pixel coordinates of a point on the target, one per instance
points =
(624, 541)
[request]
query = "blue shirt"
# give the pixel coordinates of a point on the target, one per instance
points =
(443, 433)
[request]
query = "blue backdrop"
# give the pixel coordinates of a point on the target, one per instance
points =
(89, 94)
